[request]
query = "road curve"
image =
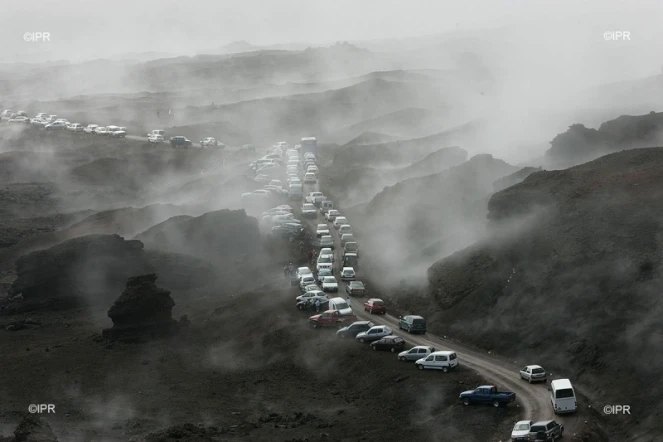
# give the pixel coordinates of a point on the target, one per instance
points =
(533, 399)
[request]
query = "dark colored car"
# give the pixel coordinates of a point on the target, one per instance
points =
(391, 343)
(546, 431)
(412, 324)
(356, 288)
(375, 305)
(354, 329)
(309, 305)
(180, 142)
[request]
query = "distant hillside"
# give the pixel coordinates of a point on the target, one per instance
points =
(580, 144)
(418, 212)
(404, 123)
(399, 153)
(369, 138)
(360, 184)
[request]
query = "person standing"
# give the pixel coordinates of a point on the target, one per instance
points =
(349, 301)
(317, 306)
(286, 271)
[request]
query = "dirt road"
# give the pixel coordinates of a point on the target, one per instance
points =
(532, 398)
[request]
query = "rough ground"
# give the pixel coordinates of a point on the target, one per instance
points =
(574, 257)
(227, 373)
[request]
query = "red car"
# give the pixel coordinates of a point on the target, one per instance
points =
(331, 318)
(375, 305)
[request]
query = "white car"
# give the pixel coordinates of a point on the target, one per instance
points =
(312, 169)
(339, 221)
(111, 129)
(348, 274)
(439, 360)
(51, 126)
(262, 193)
(305, 281)
(156, 139)
(90, 128)
(276, 183)
(75, 127)
(262, 178)
(210, 142)
(533, 373)
(294, 180)
(101, 130)
(322, 230)
(329, 284)
(332, 214)
(520, 431)
(324, 262)
(311, 294)
(327, 251)
(301, 271)
(19, 119)
(314, 197)
(121, 132)
(310, 178)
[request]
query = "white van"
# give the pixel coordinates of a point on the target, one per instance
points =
(341, 305)
(339, 221)
(562, 396)
(439, 360)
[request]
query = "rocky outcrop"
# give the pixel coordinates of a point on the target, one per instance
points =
(580, 144)
(34, 429)
(84, 269)
(142, 311)
(219, 236)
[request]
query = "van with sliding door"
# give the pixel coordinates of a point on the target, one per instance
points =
(563, 396)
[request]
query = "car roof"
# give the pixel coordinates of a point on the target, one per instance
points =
(524, 422)
(374, 299)
(423, 346)
(541, 422)
(448, 352)
(355, 282)
(561, 383)
(533, 366)
(348, 268)
(413, 317)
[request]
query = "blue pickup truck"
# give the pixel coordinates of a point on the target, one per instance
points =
(487, 394)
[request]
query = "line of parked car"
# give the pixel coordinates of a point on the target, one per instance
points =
(317, 287)
(52, 122)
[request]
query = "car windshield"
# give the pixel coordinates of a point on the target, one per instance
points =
(309, 207)
(342, 305)
(304, 271)
(324, 272)
(357, 285)
(520, 427)
(329, 280)
(322, 227)
(378, 303)
(325, 259)
(348, 271)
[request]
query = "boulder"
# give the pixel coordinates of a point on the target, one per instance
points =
(143, 310)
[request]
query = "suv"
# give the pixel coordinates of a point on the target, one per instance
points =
(180, 141)
(412, 324)
(546, 431)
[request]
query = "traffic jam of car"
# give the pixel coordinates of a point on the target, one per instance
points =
(54, 122)
(319, 283)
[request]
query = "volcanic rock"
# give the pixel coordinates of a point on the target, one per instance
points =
(572, 257)
(143, 310)
(34, 429)
(86, 268)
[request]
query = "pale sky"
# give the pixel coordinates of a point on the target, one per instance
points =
(95, 29)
